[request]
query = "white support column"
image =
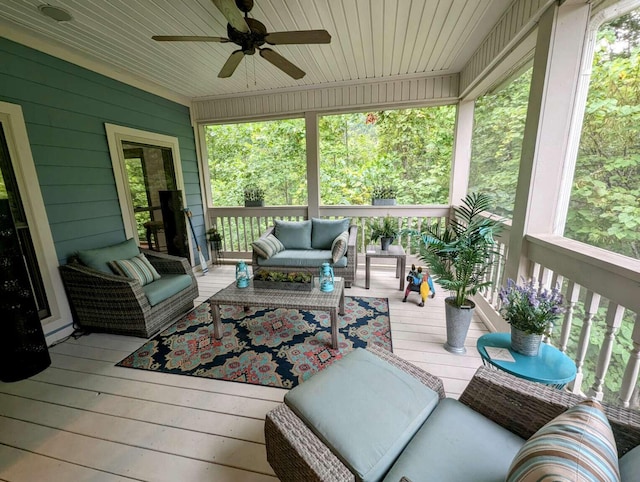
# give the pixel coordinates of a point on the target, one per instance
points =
(562, 32)
(461, 162)
(313, 164)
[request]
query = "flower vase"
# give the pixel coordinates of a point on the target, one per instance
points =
(527, 344)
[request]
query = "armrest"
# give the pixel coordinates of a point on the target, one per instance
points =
(84, 283)
(523, 407)
(168, 264)
(352, 250)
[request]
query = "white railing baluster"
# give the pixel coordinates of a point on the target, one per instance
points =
(615, 312)
(630, 378)
(591, 303)
(571, 298)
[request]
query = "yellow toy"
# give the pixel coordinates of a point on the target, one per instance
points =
(420, 282)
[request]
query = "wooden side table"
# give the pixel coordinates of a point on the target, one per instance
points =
(551, 366)
(394, 251)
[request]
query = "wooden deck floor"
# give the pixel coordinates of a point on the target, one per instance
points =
(83, 419)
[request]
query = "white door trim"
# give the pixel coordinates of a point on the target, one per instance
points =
(15, 131)
(115, 135)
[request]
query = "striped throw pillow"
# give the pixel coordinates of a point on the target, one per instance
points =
(576, 446)
(339, 246)
(267, 246)
(137, 267)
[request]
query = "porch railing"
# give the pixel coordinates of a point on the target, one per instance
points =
(239, 226)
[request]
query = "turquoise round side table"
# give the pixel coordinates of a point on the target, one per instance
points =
(551, 366)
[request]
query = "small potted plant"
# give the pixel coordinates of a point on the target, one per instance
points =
(385, 229)
(295, 281)
(215, 239)
(531, 311)
(383, 195)
(253, 196)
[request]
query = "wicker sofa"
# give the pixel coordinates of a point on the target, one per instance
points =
(296, 453)
(295, 259)
(111, 303)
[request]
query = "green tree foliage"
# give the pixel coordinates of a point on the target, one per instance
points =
(499, 119)
(410, 149)
(605, 200)
(270, 155)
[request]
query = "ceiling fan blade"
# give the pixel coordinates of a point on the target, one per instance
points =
(298, 37)
(232, 14)
(231, 64)
(282, 63)
(188, 38)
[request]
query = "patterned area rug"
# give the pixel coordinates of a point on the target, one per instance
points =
(279, 348)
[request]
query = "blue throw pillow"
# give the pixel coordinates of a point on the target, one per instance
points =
(294, 234)
(99, 258)
(324, 231)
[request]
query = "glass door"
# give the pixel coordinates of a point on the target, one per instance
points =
(9, 191)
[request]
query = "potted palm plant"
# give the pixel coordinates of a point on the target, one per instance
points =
(460, 257)
(385, 229)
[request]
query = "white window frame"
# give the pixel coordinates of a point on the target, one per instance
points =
(115, 136)
(22, 161)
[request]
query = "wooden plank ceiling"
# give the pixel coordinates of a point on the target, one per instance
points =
(371, 39)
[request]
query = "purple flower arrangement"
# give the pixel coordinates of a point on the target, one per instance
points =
(529, 307)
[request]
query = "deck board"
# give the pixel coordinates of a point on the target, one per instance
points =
(86, 419)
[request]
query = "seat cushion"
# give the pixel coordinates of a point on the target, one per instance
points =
(578, 445)
(166, 287)
(302, 258)
(294, 234)
(364, 409)
(630, 465)
(324, 231)
(455, 444)
(99, 258)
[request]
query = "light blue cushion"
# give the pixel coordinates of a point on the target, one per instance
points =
(99, 258)
(324, 231)
(630, 465)
(166, 287)
(457, 444)
(364, 409)
(302, 258)
(294, 234)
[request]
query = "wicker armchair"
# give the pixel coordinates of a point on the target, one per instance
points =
(348, 273)
(116, 304)
(296, 453)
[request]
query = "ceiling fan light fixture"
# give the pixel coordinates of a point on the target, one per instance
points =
(56, 13)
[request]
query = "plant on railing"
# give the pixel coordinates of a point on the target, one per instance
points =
(529, 307)
(253, 195)
(384, 192)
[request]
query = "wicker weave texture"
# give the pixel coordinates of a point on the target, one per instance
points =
(116, 304)
(348, 273)
(297, 454)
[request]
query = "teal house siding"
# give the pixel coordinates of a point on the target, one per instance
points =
(65, 108)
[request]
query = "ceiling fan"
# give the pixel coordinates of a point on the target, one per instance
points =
(251, 35)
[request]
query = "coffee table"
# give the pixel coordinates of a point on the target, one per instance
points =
(394, 251)
(551, 366)
(315, 299)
